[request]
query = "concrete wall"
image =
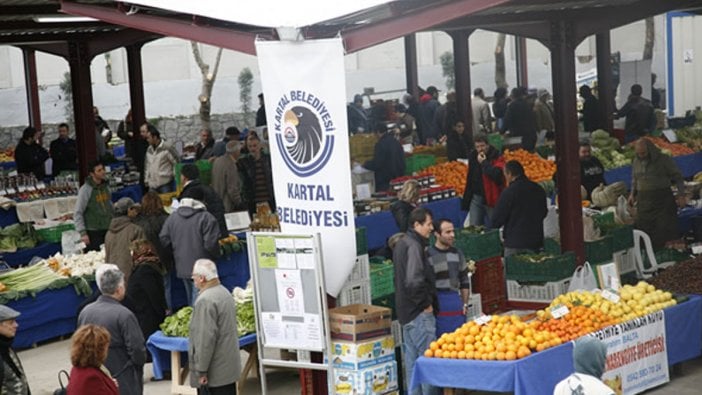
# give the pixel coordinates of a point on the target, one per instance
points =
(172, 78)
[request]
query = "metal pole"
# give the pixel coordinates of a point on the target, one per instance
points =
(461, 64)
(520, 47)
(79, 60)
(31, 86)
(605, 85)
(411, 73)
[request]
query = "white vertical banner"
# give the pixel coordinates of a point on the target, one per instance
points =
(304, 90)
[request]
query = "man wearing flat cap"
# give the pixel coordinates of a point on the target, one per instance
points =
(121, 234)
(13, 381)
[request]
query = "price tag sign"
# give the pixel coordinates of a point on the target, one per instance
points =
(11, 191)
(483, 319)
(31, 188)
(21, 188)
(610, 295)
(41, 185)
(559, 311)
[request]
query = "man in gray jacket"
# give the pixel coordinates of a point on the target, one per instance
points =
(213, 349)
(192, 233)
(415, 292)
(127, 355)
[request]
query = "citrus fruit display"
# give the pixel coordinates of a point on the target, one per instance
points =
(536, 168)
(503, 338)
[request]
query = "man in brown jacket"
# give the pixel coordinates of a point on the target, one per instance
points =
(121, 234)
(225, 178)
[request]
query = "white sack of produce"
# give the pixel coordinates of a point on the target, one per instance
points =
(606, 196)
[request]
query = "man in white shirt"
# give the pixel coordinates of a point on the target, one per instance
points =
(161, 158)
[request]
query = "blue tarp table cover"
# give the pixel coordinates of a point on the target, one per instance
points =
(540, 372)
(8, 165)
(51, 314)
(8, 216)
(685, 218)
(689, 165)
(380, 226)
(23, 256)
(132, 191)
(160, 347)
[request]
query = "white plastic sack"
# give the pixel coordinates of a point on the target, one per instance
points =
(551, 227)
(583, 279)
(71, 243)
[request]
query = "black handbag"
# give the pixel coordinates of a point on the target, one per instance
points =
(62, 390)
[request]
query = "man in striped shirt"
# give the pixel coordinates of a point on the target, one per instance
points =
(452, 281)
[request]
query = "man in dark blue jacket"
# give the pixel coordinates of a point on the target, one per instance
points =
(521, 209)
(388, 159)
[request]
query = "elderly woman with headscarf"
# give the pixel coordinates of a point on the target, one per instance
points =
(589, 356)
(145, 288)
(121, 234)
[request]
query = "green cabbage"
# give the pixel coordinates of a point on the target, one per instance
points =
(178, 324)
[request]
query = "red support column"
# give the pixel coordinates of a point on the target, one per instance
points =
(79, 59)
(31, 86)
(605, 85)
(136, 85)
(461, 65)
(522, 67)
(411, 73)
(563, 76)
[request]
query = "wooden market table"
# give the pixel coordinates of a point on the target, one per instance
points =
(163, 348)
(540, 372)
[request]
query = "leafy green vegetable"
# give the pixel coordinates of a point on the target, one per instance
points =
(245, 316)
(178, 324)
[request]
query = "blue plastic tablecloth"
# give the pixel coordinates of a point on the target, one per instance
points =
(23, 256)
(689, 165)
(540, 372)
(50, 314)
(132, 191)
(8, 216)
(233, 272)
(685, 217)
(8, 165)
(160, 347)
(380, 226)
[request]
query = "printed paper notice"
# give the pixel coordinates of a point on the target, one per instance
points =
(304, 249)
(285, 251)
(291, 300)
(265, 248)
(298, 333)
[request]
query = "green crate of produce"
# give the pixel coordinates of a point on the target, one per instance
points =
(550, 268)
(622, 236)
(382, 279)
(53, 234)
(361, 241)
(552, 246)
(479, 246)
(599, 251)
(496, 140)
(418, 162)
(387, 301)
(604, 220)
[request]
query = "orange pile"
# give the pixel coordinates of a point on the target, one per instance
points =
(536, 168)
(675, 149)
(579, 321)
(450, 174)
(504, 338)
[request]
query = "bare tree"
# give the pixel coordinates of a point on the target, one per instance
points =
(500, 70)
(448, 70)
(208, 80)
(650, 39)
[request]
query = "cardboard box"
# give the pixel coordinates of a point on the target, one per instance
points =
(362, 355)
(359, 322)
(376, 380)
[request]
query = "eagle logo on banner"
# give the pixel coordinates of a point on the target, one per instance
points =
(305, 138)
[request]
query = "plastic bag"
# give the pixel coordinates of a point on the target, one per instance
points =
(551, 226)
(71, 243)
(583, 279)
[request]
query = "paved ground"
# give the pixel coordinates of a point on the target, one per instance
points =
(43, 363)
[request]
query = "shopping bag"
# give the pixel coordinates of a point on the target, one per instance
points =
(583, 279)
(71, 243)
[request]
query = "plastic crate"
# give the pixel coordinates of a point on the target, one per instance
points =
(361, 269)
(496, 140)
(551, 269)
(475, 307)
(361, 241)
(551, 246)
(489, 282)
(536, 292)
(479, 246)
(625, 261)
(53, 235)
(603, 220)
(599, 251)
(387, 301)
(354, 293)
(418, 162)
(382, 280)
(622, 236)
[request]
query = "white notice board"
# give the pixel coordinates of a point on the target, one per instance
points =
(289, 298)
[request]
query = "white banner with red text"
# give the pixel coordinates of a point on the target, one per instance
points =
(304, 91)
(637, 358)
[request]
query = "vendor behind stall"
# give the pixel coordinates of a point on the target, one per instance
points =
(652, 174)
(591, 169)
(388, 158)
(452, 282)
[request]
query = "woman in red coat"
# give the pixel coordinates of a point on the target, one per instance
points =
(88, 352)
